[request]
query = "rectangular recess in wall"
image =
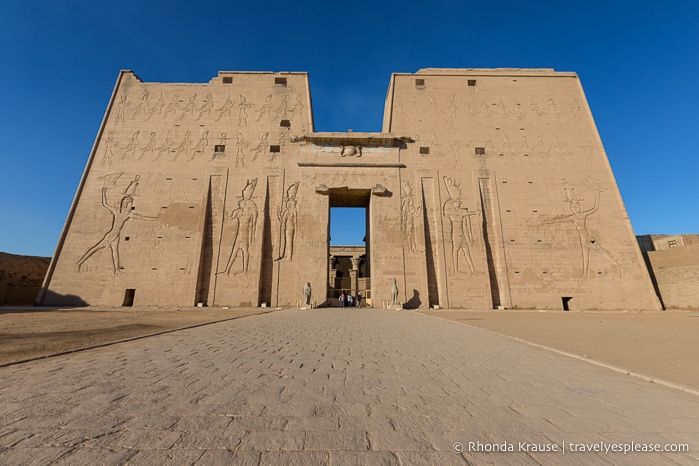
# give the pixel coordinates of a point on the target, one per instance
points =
(280, 81)
(129, 295)
(566, 302)
(471, 82)
(227, 80)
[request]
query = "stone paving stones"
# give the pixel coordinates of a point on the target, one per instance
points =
(331, 387)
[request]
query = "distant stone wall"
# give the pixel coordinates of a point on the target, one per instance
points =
(676, 274)
(20, 295)
(21, 278)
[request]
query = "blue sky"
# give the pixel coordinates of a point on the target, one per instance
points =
(638, 62)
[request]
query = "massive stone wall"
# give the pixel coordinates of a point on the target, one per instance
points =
(486, 188)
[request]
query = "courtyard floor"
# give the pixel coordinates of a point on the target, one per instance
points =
(331, 386)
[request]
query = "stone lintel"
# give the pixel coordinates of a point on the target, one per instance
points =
(352, 164)
(355, 139)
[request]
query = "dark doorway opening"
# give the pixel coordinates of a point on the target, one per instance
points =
(129, 296)
(566, 303)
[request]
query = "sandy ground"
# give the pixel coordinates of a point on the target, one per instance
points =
(659, 344)
(31, 332)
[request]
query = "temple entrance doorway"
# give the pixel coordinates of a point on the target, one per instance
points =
(349, 248)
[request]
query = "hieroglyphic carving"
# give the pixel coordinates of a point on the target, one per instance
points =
(536, 110)
(261, 147)
(287, 215)
(149, 147)
(165, 146)
(298, 106)
(508, 150)
(579, 218)
(156, 108)
(283, 108)
(433, 109)
(120, 215)
(132, 188)
(527, 150)
(206, 107)
(283, 135)
(108, 150)
(142, 107)
(243, 107)
(559, 151)
(520, 114)
(225, 109)
(183, 147)
(553, 111)
(244, 220)
(415, 110)
(266, 108)
(410, 211)
(460, 219)
(569, 192)
(485, 110)
(189, 107)
(455, 149)
(241, 145)
(541, 149)
(110, 178)
(503, 113)
(452, 107)
(468, 109)
(121, 109)
(201, 145)
(131, 146)
(172, 107)
(490, 149)
(576, 110)
(400, 110)
(588, 154)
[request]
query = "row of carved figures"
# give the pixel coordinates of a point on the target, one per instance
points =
(192, 110)
(186, 149)
(242, 223)
(460, 231)
(539, 151)
(516, 113)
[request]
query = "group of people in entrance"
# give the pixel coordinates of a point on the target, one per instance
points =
(346, 300)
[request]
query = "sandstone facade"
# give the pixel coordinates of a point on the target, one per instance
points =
(673, 263)
(485, 189)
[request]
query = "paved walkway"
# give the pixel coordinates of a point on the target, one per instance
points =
(333, 387)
